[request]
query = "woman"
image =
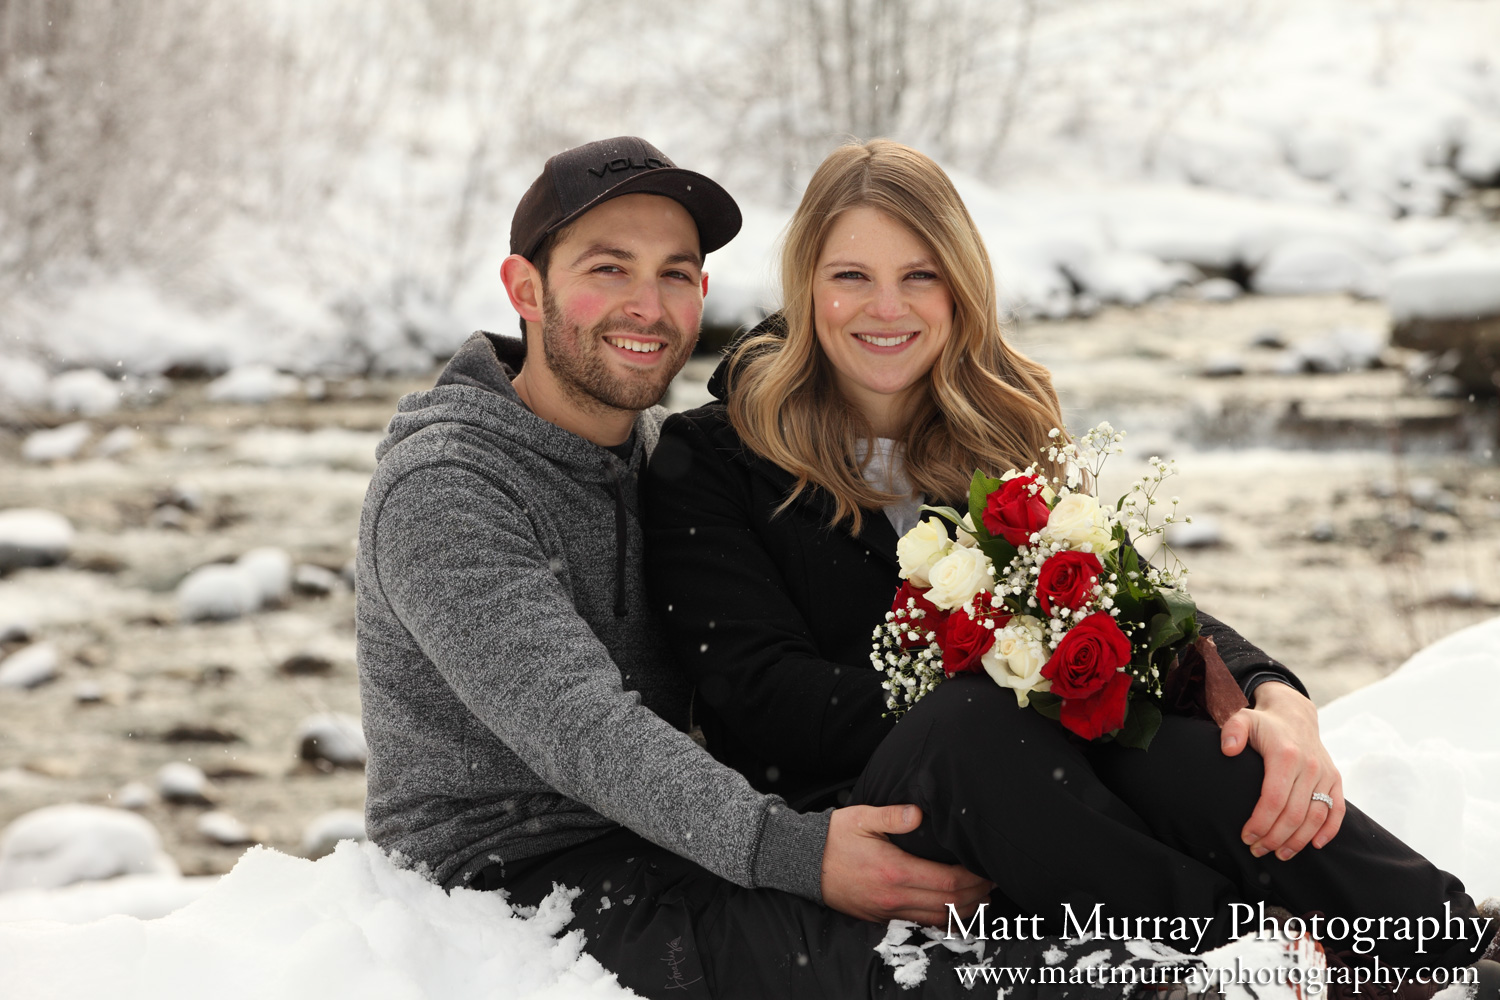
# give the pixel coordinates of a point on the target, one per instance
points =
(772, 517)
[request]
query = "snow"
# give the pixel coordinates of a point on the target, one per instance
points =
(336, 737)
(351, 924)
(180, 781)
(29, 667)
(1318, 265)
(63, 844)
(217, 592)
(323, 833)
(1420, 752)
(252, 384)
(1462, 283)
(23, 382)
(271, 571)
(223, 828)
(58, 444)
(84, 391)
(117, 442)
(32, 537)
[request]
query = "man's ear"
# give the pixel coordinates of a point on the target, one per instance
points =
(523, 283)
(705, 284)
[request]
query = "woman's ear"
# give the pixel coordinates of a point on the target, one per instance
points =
(523, 283)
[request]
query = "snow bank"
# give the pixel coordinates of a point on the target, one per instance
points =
(60, 845)
(1420, 752)
(351, 924)
(1463, 283)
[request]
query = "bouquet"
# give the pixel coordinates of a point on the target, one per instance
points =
(1042, 588)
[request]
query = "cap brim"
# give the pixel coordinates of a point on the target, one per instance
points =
(712, 208)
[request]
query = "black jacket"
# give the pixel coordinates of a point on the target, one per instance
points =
(772, 615)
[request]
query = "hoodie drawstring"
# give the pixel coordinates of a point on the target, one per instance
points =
(619, 492)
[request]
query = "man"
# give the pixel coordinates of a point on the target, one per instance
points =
(524, 724)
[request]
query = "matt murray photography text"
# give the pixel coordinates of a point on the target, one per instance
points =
(1244, 919)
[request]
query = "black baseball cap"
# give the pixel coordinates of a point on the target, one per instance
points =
(578, 179)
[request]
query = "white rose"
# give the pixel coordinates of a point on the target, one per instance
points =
(1078, 520)
(965, 532)
(1017, 657)
(920, 548)
(958, 576)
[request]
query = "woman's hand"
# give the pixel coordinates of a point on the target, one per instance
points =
(1283, 729)
(867, 876)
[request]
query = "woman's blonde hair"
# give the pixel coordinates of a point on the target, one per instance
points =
(983, 405)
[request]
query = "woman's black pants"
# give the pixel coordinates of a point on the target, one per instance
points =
(1063, 826)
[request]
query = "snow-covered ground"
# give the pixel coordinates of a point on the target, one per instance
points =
(1419, 752)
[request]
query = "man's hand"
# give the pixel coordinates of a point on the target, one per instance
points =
(1283, 728)
(866, 876)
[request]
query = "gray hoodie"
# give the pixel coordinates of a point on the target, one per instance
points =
(517, 696)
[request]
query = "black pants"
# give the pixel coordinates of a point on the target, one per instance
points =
(1055, 820)
(669, 928)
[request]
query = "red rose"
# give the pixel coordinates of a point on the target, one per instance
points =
(964, 640)
(1088, 657)
(1013, 512)
(1101, 712)
(1067, 580)
(931, 622)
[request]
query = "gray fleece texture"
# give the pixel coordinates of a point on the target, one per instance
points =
(516, 700)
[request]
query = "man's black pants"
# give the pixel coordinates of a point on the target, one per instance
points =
(1050, 819)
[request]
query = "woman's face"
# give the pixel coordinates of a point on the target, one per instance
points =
(882, 311)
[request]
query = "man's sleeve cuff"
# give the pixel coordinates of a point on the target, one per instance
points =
(790, 856)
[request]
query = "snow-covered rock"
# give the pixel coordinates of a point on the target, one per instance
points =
(252, 384)
(29, 667)
(1479, 157)
(183, 783)
(31, 537)
(1462, 283)
(1318, 265)
(1200, 533)
(134, 795)
(324, 833)
(317, 580)
(62, 844)
(117, 442)
(217, 592)
(23, 382)
(1216, 290)
(84, 391)
(222, 828)
(1129, 278)
(58, 444)
(271, 569)
(334, 737)
(1344, 349)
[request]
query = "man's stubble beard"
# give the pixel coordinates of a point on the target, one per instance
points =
(577, 360)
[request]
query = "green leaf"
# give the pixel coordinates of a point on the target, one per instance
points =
(980, 487)
(1180, 606)
(1164, 632)
(1141, 724)
(1047, 703)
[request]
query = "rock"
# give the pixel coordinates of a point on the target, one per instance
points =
(1346, 349)
(305, 665)
(271, 569)
(134, 795)
(201, 732)
(217, 592)
(1322, 531)
(1200, 533)
(1316, 265)
(222, 828)
(188, 498)
(117, 442)
(30, 537)
(252, 384)
(324, 832)
(14, 630)
(1449, 304)
(57, 445)
(1216, 290)
(1222, 366)
(1270, 339)
(22, 382)
(314, 580)
(84, 391)
(184, 784)
(63, 844)
(333, 737)
(30, 667)
(88, 693)
(168, 517)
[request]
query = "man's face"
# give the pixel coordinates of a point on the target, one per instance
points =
(623, 301)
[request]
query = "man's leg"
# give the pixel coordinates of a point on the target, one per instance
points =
(669, 928)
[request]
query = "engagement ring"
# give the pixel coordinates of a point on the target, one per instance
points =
(1324, 798)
